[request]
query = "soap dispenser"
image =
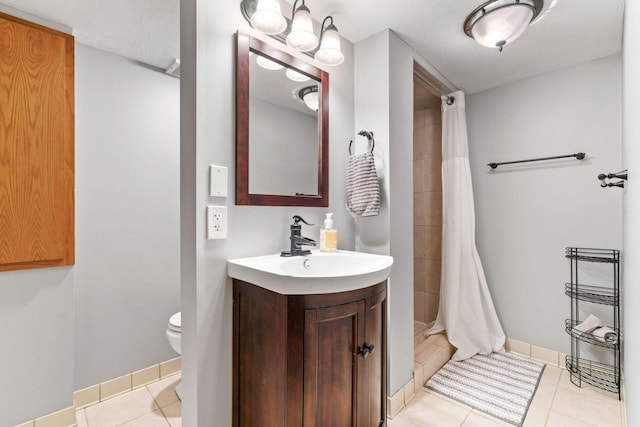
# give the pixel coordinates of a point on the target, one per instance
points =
(328, 235)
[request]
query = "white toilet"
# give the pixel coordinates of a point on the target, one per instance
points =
(174, 334)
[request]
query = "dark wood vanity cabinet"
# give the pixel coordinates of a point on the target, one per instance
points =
(309, 360)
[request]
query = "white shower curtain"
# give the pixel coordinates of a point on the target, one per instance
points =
(466, 311)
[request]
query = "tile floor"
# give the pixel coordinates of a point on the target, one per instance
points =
(557, 403)
(154, 405)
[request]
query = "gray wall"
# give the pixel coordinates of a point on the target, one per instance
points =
(282, 163)
(36, 311)
(108, 313)
(208, 137)
(527, 214)
(384, 105)
(401, 209)
(631, 223)
(127, 215)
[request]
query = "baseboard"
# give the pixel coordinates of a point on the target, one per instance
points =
(551, 357)
(104, 391)
(114, 387)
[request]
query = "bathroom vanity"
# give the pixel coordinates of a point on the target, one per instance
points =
(309, 359)
(312, 360)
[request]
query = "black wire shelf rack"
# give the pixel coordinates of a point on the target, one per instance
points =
(591, 338)
(597, 374)
(611, 256)
(590, 293)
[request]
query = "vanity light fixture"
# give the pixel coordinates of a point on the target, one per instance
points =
(329, 52)
(297, 32)
(267, 17)
(309, 95)
(296, 76)
(301, 36)
(268, 64)
(497, 23)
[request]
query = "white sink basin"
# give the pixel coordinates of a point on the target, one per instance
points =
(317, 273)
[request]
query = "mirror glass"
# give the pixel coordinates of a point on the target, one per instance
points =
(282, 122)
(283, 129)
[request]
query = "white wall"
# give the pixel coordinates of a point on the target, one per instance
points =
(127, 215)
(401, 209)
(527, 214)
(631, 239)
(208, 137)
(384, 105)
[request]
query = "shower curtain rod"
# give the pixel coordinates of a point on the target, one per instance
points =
(578, 156)
(437, 87)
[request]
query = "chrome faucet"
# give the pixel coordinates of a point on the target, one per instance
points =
(298, 240)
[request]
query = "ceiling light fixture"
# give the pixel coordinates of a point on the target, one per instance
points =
(309, 95)
(498, 23)
(297, 33)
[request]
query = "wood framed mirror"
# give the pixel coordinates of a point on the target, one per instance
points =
(282, 143)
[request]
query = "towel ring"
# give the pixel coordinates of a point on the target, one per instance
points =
(369, 136)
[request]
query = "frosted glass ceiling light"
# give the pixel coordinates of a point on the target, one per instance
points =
(329, 52)
(309, 95)
(296, 76)
(268, 64)
(497, 23)
(268, 17)
(301, 37)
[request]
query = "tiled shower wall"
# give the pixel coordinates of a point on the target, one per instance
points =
(427, 211)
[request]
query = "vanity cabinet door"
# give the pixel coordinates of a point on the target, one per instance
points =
(372, 391)
(331, 339)
(345, 364)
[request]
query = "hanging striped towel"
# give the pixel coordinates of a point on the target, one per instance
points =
(363, 188)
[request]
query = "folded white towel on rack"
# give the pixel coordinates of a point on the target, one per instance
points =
(363, 188)
(588, 324)
(605, 334)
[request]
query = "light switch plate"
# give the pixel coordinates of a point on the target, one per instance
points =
(218, 181)
(216, 222)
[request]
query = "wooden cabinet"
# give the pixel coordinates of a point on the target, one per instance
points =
(312, 360)
(36, 145)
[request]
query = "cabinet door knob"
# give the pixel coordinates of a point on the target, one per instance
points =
(365, 350)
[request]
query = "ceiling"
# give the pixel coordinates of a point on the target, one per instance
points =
(568, 32)
(144, 30)
(572, 32)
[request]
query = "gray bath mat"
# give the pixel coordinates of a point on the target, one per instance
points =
(500, 384)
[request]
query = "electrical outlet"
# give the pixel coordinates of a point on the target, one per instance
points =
(216, 222)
